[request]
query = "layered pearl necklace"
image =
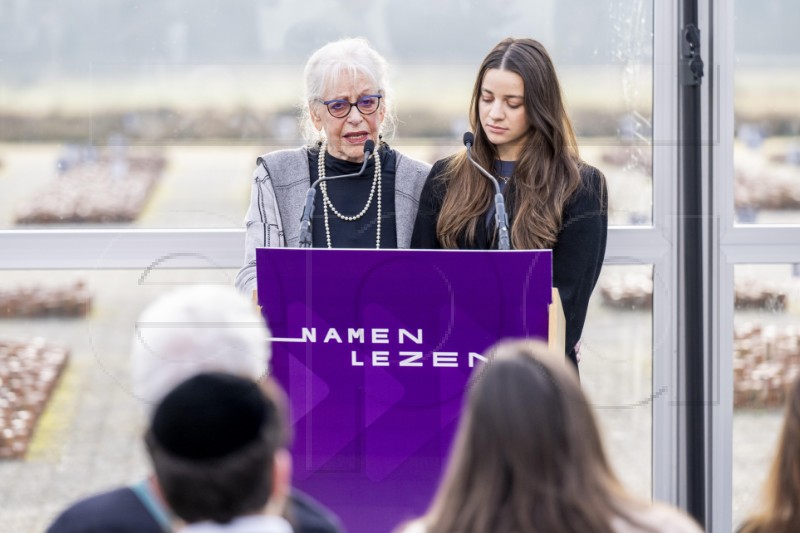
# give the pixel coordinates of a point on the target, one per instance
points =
(326, 201)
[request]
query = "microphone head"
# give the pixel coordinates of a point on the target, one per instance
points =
(369, 146)
(469, 139)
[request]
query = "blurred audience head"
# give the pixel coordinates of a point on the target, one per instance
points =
(215, 442)
(528, 454)
(779, 511)
(200, 328)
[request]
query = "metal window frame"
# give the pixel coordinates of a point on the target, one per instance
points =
(139, 248)
(120, 248)
(665, 201)
(738, 244)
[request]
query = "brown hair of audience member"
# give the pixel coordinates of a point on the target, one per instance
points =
(528, 456)
(780, 504)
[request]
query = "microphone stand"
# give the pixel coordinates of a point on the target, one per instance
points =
(500, 215)
(306, 240)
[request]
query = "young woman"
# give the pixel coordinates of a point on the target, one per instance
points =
(780, 504)
(528, 458)
(554, 200)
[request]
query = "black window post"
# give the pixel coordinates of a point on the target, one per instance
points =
(692, 271)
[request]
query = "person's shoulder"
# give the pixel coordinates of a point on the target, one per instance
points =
(310, 516)
(435, 183)
(674, 519)
(414, 164)
(591, 194)
(286, 167)
(658, 517)
(442, 164)
(591, 177)
(415, 526)
(118, 510)
(286, 155)
(439, 167)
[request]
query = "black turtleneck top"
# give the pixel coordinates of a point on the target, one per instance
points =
(349, 196)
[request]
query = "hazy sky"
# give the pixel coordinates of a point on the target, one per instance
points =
(75, 37)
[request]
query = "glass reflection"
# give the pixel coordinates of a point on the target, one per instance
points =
(89, 439)
(766, 113)
(616, 368)
(173, 76)
(766, 358)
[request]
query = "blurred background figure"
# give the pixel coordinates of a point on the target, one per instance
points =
(191, 330)
(528, 457)
(202, 328)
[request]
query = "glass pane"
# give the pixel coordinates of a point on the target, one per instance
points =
(89, 438)
(209, 85)
(766, 358)
(616, 369)
(766, 112)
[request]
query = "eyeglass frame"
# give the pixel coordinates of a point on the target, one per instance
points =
(326, 103)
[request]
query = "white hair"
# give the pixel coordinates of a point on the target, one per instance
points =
(202, 328)
(346, 57)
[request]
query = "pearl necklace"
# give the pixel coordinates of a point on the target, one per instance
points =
(326, 201)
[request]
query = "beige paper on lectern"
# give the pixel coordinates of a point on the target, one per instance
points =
(557, 327)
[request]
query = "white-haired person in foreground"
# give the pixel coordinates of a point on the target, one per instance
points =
(186, 332)
(347, 102)
(528, 458)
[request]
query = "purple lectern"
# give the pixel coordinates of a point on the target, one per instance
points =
(375, 350)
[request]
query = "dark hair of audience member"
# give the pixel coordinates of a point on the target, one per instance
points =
(221, 489)
(528, 456)
(780, 502)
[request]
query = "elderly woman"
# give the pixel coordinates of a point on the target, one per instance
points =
(347, 103)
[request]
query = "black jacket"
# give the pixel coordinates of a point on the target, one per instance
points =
(121, 511)
(577, 255)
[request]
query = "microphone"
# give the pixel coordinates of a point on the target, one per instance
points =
(500, 216)
(306, 240)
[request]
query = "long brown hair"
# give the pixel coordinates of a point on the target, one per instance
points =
(546, 175)
(780, 504)
(528, 455)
